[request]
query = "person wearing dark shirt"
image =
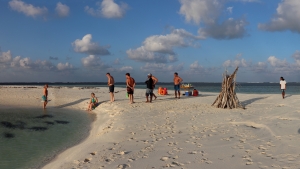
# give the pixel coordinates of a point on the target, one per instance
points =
(149, 90)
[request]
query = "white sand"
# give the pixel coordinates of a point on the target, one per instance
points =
(186, 133)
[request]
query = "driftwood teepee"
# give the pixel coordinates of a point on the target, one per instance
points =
(227, 98)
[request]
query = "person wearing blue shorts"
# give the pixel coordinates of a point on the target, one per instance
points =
(177, 80)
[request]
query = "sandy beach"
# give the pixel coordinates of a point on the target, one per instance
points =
(174, 133)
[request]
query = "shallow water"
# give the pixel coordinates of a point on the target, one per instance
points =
(31, 137)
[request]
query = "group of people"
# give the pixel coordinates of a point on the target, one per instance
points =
(130, 85)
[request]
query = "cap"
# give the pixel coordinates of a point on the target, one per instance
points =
(149, 74)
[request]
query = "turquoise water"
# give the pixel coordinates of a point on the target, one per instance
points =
(29, 138)
(241, 87)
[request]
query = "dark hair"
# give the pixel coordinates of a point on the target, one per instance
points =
(128, 74)
(281, 78)
(108, 73)
(176, 73)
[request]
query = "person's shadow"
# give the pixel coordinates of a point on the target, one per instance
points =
(71, 103)
(247, 102)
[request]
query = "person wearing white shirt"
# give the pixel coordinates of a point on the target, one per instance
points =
(282, 86)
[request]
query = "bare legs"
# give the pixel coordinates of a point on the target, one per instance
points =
(112, 97)
(147, 97)
(283, 93)
(131, 98)
(91, 105)
(154, 96)
(178, 94)
(44, 104)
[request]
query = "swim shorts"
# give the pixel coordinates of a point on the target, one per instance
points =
(111, 88)
(129, 90)
(283, 90)
(149, 92)
(177, 87)
(44, 98)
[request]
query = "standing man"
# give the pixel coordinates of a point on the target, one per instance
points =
(149, 90)
(155, 80)
(130, 84)
(282, 86)
(45, 96)
(177, 81)
(111, 86)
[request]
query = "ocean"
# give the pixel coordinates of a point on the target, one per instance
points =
(241, 87)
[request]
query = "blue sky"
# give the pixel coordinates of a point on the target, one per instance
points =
(79, 40)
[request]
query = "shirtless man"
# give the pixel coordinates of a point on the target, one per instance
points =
(155, 80)
(45, 96)
(177, 81)
(130, 84)
(111, 86)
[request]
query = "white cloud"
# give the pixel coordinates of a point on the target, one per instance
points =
(93, 62)
(277, 62)
(108, 9)
(237, 62)
(126, 69)
(286, 18)
(25, 63)
(5, 57)
(117, 61)
(62, 10)
(259, 67)
(197, 11)
(161, 67)
(85, 45)
(229, 9)
(296, 55)
(229, 29)
(143, 55)
(166, 43)
(160, 48)
(196, 68)
(27, 9)
(16, 61)
(63, 67)
(207, 14)
(280, 66)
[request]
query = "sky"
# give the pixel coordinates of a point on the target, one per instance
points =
(82, 40)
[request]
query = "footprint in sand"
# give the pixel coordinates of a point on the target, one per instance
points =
(164, 158)
(87, 160)
(123, 166)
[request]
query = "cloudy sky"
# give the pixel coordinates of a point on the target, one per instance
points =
(80, 40)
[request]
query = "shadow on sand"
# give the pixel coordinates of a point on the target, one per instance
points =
(71, 103)
(250, 101)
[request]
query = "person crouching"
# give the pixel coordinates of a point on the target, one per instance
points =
(149, 90)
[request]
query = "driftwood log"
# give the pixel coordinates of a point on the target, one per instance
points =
(227, 98)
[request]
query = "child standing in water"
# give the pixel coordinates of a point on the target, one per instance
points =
(93, 102)
(45, 96)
